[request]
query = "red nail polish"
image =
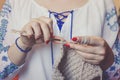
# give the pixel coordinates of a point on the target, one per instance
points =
(51, 35)
(74, 38)
(67, 45)
(47, 41)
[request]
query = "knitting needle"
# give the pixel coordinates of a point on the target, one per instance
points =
(19, 32)
(51, 39)
(60, 41)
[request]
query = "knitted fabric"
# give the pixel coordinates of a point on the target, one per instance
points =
(71, 66)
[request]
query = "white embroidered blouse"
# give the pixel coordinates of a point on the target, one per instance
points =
(95, 18)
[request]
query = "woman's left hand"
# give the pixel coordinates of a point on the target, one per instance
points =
(94, 50)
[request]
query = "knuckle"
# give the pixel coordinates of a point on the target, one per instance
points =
(27, 27)
(30, 34)
(32, 22)
(102, 52)
(95, 49)
(88, 56)
(102, 42)
(50, 20)
(38, 34)
(101, 58)
(44, 25)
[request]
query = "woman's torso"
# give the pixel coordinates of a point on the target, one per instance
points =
(88, 20)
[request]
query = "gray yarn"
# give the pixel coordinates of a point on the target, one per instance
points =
(71, 66)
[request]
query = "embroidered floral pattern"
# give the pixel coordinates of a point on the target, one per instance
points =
(110, 16)
(6, 9)
(117, 45)
(113, 73)
(6, 67)
(8, 70)
(5, 58)
(3, 24)
(3, 31)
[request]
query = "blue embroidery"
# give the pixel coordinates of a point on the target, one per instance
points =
(3, 31)
(117, 59)
(105, 75)
(8, 70)
(6, 9)
(60, 17)
(110, 18)
(4, 58)
(112, 68)
(117, 45)
(3, 26)
(116, 74)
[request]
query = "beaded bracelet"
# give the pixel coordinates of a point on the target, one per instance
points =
(22, 50)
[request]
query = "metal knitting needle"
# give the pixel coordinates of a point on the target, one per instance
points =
(59, 40)
(51, 39)
(19, 32)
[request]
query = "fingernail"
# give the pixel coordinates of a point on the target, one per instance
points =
(67, 45)
(51, 35)
(74, 38)
(47, 41)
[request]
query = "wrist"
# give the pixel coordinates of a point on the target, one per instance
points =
(24, 45)
(21, 46)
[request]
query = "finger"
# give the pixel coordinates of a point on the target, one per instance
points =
(89, 56)
(45, 30)
(27, 37)
(37, 29)
(49, 21)
(28, 31)
(88, 49)
(39, 41)
(89, 40)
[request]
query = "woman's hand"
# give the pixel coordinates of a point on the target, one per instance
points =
(94, 50)
(37, 31)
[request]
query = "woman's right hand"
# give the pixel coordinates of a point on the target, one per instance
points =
(30, 34)
(37, 31)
